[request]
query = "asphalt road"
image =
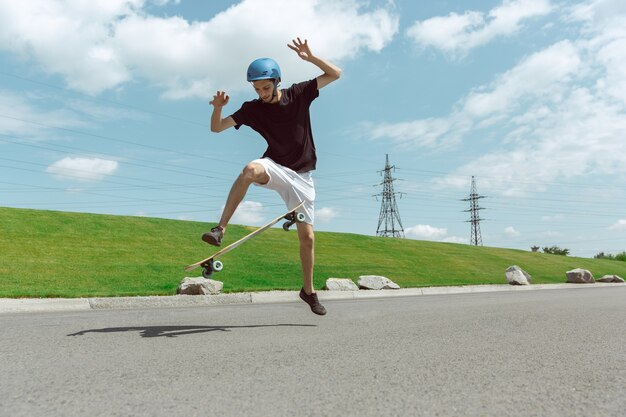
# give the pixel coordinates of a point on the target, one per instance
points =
(532, 353)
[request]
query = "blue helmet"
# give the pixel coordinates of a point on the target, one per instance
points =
(263, 69)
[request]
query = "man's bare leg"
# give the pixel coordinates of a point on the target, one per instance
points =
(307, 255)
(252, 173)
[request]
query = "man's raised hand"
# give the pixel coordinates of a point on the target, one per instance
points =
(220, 99)
(302, 48)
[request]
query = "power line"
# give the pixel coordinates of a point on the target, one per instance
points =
(112, 139)
(161, 165)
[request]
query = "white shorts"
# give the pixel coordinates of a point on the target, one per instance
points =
(292, 186)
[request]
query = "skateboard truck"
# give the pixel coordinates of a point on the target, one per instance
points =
(292, 218)
(211, 266)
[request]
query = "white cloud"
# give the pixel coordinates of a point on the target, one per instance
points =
(426, 133)
(120, 41)
(448, 33)
(325, 214)
(424, 231)
(47, 31)
(596, 12)
(83, 169)
(456, 34)
(21, 118)
(456, 239)
(428, 232)
(511, 232)
(605, 27)
(613, 57)
(37, 116)
(578, 137)
(102, 113)
(619, 226)
(248, 213)
(560, 114)
(554, 218)
(541, 75)
(164, 2)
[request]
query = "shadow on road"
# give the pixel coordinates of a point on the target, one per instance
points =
(173, 331)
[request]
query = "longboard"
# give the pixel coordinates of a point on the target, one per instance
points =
(211, 264)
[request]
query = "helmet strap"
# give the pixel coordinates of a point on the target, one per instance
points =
(275, 88)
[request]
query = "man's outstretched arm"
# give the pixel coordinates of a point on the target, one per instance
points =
(217, 123)
(331, 71)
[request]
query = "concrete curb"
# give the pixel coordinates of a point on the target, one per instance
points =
(34, 305)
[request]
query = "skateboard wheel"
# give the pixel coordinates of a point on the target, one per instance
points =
(300, 217)
(207, 272)
(287, 225)
(218, 266)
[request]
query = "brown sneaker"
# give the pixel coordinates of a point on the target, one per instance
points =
(214, 237)
(313, 302)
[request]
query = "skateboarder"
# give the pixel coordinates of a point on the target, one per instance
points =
(281, 117)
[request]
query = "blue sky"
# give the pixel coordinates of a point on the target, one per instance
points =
(104, 109)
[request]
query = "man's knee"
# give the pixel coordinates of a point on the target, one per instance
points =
(254, 172)
(307, 238)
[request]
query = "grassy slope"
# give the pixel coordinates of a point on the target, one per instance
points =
(58, 254)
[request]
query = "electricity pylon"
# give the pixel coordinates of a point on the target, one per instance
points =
(389, 223)
(475, 239)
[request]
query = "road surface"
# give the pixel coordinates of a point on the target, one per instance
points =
(544, 353)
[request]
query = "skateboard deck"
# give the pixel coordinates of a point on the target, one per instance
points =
(211, 264)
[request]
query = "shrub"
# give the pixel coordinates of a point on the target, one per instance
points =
(619, 257)
(555, 250)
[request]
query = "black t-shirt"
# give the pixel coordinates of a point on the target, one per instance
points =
(285, 126)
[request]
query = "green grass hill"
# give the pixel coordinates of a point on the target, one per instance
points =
(60, 254)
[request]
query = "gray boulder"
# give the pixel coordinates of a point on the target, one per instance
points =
(579, 276)
(375, 282)
(199, 286)
(340, 284)
(517, 276)
(611, 278)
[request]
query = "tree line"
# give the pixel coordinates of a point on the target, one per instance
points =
(555, 250)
